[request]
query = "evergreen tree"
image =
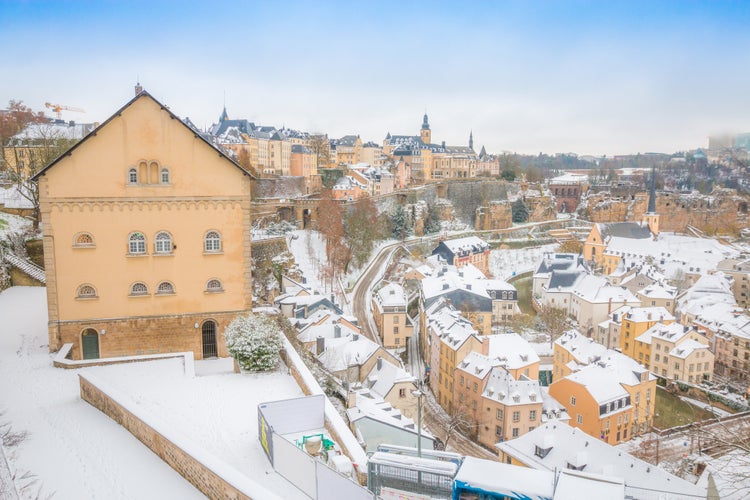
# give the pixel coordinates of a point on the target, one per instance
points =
(400, 223)
(520, 211)
(432, 220)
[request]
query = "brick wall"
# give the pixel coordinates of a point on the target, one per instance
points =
(198, 473)
(147, 335)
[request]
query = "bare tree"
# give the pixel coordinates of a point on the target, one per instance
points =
(320, 146)
(555, 322)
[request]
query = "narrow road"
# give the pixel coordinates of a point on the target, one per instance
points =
(433, 416)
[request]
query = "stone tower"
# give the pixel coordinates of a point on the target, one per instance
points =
(651, 217)
(471, 140)
(425, 133)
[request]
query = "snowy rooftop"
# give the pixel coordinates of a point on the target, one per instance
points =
(552, 409)
(467, 278)
(671, 252)
(644, 314)
(341, 353)
(585, 350)
(725, 318)
(686, 348)
(569, 178)
(391, 295)
(327, 330)
(502, 387)
(511, 350)
(490, 475)
(568, 445)
(452, 328)
(596, 289)
(54, 131)
(604, 379)
(470, 244)
(476, 364)
(384, 375)
(659, 291)
(12, 197)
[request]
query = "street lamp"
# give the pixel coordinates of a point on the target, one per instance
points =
(418, 394)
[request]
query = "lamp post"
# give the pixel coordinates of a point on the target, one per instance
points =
(418, 395)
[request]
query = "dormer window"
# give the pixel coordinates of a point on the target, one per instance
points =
(541, 452)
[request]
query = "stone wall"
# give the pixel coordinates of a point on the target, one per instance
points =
(147, 335)
(20, 278)
(723, 210)
(199, 474)
(499, 214)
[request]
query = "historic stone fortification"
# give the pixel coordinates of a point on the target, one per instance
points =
(722, 211)
(499, 214)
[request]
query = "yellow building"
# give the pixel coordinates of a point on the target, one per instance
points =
(636, 321)
(680, 353)
(612, 399)
(389, 311)
(145, 241)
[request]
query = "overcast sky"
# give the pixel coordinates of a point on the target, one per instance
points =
(560, 76)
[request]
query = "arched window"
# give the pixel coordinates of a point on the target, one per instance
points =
(165, 176)
(214, 285)
(86, 292)
(212, 242)
(137, 243)
(163, 243)
(83, 240)
(165, 288)
(138, 289)
(132, 176)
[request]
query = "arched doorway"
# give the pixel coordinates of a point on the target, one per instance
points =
(209, 339)
(90, 343)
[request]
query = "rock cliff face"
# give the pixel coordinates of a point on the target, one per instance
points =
(723, 211)
(499, 214)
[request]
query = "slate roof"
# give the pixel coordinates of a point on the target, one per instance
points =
(631, 230)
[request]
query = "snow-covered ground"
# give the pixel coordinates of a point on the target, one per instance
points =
(309, 250)
(12, 223)
(507, 263)
(72, 450)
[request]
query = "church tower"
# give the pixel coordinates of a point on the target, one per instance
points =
(425, 133)
(471, 140)
(651, 217)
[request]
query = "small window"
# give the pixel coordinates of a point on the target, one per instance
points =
(86, 292)
(165, 176)
(165, 288)
(132, 176)
(139, 289)
(137, 243)
(212, 242)
(214, 285)
(83, 240)
(163, 243)
(579, 419)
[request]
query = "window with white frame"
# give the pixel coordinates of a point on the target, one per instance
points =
(212, 242)
(83, 240)
(138, 288)
(86, 292)
(214, 285)
(165, 176)
(132, 176)
(165, 288)
(163, 243)
(137, 243)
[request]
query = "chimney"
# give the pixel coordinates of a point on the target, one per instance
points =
(609, 307)
(445, 286)
(138, 88)
(351, 399)
(355, 337)
(337, 330)
(649, 316)
(393, 292)
(320, 345)
(380, 363)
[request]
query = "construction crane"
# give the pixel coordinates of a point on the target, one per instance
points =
(58, 108)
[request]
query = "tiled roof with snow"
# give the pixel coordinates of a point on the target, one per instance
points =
(381, 379)
(452, 328)
(341, 353)
(503, 388)
(687, 348)
(476, 364)
(596, 289)
(643, 314)
(391, 295)
(511, 350)
(27, 267)
(371, 405)
(585, 350)
(568, 445)
(327, 330)
(472, 244)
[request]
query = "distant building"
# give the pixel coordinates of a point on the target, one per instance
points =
(389, 311)
(462, 251)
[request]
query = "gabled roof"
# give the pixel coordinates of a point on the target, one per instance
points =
(142, 94)
(631, 230)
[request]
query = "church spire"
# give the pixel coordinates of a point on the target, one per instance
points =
(652, 193)
(471, 140)
(425, 123)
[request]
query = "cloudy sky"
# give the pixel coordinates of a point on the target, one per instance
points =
(588, 77)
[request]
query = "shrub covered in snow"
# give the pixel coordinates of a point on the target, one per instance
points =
(254, 340)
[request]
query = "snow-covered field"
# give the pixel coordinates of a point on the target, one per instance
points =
(72, 450)
(506, 263)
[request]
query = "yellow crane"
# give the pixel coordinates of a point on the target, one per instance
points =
(58, 108)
